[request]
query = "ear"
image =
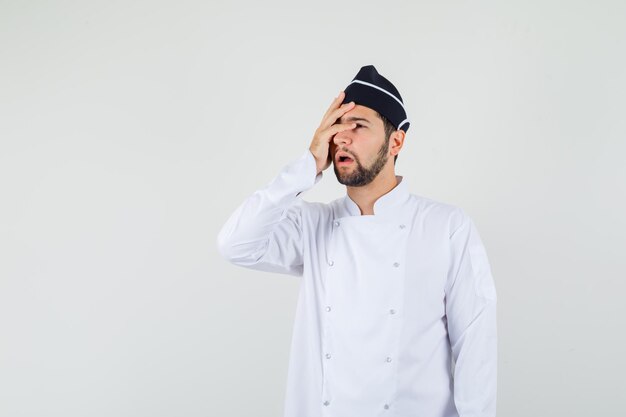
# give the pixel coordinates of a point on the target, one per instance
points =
(396, 141)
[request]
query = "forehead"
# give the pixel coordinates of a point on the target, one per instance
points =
(361, 112)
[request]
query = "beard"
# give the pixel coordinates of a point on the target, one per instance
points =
(359, 175)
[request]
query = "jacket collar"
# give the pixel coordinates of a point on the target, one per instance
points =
(386, 205)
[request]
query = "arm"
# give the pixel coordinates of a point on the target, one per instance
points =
(472, 326)
(265, 231)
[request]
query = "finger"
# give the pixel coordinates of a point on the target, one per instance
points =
(337, 113)
(339, 127)
(335, 103)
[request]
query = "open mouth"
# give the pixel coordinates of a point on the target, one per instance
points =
(345, 160)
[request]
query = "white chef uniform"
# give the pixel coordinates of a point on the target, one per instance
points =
(396, 312)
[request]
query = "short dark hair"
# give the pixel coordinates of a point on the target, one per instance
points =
(389, 129)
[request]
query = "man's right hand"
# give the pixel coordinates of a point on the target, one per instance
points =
(320, 146)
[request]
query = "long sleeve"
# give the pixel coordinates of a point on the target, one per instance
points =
(265, 231)
(471, 319)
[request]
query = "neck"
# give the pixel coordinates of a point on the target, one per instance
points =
(366, 196)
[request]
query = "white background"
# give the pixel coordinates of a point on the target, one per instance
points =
(130, 130)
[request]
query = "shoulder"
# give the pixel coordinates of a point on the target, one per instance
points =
(320, 210)
(444, 214)
(315, 211)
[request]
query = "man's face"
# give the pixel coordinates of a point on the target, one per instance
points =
(365, 144)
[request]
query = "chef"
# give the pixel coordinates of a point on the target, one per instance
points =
(396, 312)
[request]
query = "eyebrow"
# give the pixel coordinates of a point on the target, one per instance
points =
(355, 119)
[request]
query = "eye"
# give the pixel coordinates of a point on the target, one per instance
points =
(358, 125)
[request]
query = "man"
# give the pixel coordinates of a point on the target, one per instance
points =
(396, 312)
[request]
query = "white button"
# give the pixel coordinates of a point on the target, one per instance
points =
(386, 406)
(388, 359)
(328, 356)
(396, 264)
(326, 402)
(327, 308)
(336, 223)
(392, 311)
(331, 263)
(402, 226)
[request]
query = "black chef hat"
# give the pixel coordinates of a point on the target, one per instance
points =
(369, 88)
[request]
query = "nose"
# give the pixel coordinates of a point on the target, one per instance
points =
(343, 137)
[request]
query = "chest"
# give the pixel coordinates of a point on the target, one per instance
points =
(368, 263)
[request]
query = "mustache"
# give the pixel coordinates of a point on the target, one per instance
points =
(347, 152)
